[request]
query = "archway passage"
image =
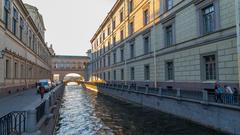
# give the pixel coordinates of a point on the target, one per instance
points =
(73, 78)
(62, 66)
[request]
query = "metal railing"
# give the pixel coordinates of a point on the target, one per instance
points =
(230, 99)
(40, 111)
(13, 123)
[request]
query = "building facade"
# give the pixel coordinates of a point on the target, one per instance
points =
(63, 65)
(89, 67)
(25, 58)
(187, 44)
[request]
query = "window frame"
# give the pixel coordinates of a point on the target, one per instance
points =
(147, 36)
(203, 66)
(167, 78)
(171, 23)
(147, 77)
(122, 54)
(131, 28)
(122, 74)
(146, 19)
(132, 73)
(167, 6)
(130, 6)
(200, 5)
(131, 50)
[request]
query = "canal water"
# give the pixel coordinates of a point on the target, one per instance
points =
(89, 113)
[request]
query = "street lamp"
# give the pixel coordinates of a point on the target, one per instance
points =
(2, 53)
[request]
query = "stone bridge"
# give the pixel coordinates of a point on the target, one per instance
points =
(63, 65)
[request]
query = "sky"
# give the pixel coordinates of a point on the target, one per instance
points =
(71, 24)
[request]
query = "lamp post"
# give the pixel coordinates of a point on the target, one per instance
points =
(2, 53)
(237, 11)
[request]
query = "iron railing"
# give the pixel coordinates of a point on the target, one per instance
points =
(230, 99)
(13, 123)
(40, 111)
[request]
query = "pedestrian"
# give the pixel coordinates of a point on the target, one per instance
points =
(42, 91)
(235, 95)
(219, 93)
(228, 94)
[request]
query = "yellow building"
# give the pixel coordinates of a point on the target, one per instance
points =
(187, 44)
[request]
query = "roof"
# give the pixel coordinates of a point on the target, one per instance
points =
(71, 56)
(106, 19)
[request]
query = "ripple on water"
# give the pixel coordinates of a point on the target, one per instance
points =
(86, 113)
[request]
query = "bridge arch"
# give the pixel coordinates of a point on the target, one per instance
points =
(73, 77)
(64, 65)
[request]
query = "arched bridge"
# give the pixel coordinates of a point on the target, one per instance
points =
(63, 65)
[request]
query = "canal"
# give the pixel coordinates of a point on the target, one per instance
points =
(89, 113)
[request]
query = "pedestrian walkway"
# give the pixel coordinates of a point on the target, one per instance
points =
(21, 101)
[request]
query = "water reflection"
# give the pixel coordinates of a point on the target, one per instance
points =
(88, 113)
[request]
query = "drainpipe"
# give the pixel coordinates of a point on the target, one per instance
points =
(154, 46)
(237, 10)
(125, 61)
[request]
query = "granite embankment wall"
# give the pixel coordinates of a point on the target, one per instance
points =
(213, 115)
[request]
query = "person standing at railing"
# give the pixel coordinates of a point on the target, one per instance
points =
(219, 92)
(42, 91)
(228, 94)
(236, 96)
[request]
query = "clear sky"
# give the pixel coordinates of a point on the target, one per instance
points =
(71, 24)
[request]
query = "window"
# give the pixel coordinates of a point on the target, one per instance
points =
(109, 30)
(208, 15)
(131, 28)
(169, 70)
(6, 13)
(22, 71)
(130, 6)
(109, 44)
(109, 75)
(121, 35)
(169, 35)
(104, 61)
(114, 40)
(15, 19)
(114, 24)
(132, 73)
(146, 72)
(21, 29)
(132, 50)
(30, 72)
(122, 54)
(104, 76)
(146, 17)
(109, 60)
(7, 68)
(114, 57)
(30, 39)
(114, 75)
(100, 63)
(169, 4)
(103, 35)
(15, 70)
(209, 67)
(121, 15)
(146, 43)
(122, 74)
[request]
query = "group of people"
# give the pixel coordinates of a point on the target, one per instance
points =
(226, 94)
